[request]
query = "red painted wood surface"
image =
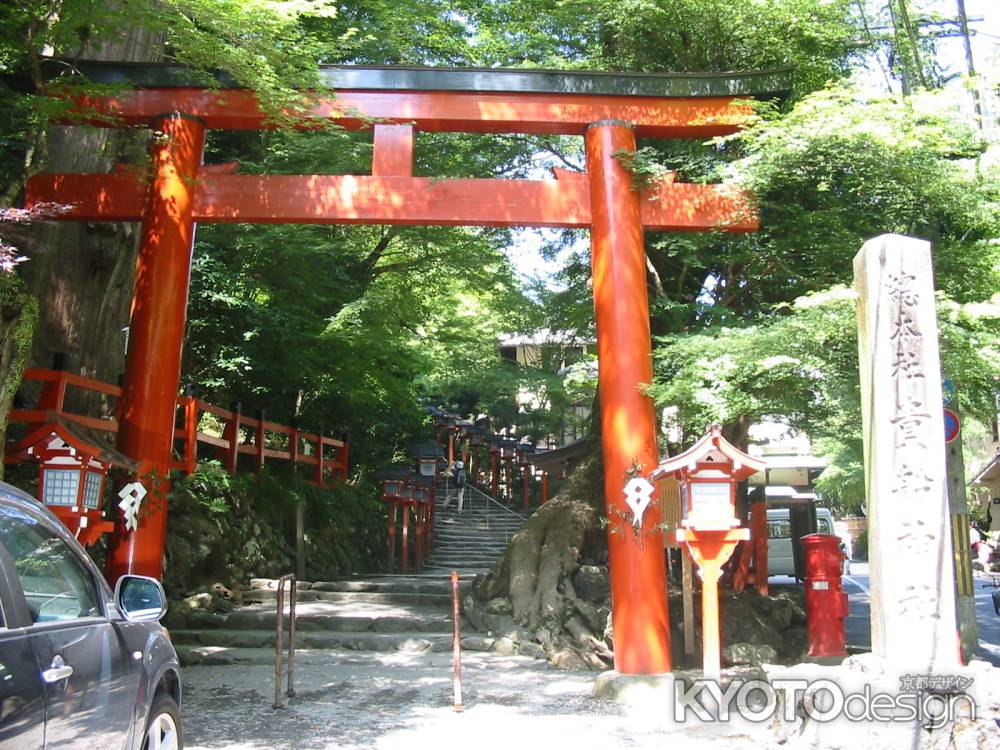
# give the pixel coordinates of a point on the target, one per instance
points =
(392, 150)
(454, 111)
(279, 441)
(362, 199)
(624, 355)
(156, 337)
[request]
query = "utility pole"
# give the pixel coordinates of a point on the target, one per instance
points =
(963, 20)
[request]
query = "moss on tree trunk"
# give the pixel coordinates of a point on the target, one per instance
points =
(18, 316)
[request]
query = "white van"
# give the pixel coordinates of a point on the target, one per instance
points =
(780, 559)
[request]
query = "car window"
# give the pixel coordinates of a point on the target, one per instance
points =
(825, 527)
(57, 585)
(779, 528)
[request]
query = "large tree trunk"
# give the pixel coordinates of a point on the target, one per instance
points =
(18, 315)
(531, 594)
(83, 274)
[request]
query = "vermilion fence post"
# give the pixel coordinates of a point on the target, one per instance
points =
(319, 458)
(259, 441)
(190, 434)
(231, 433)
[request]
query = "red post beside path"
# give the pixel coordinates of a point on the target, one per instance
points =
(404, 560)
(456, 643)
(638, 576)
(156, 335)
(390, 564)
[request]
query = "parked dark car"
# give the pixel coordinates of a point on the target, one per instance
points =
(80, 666)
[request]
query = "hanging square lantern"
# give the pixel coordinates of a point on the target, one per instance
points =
(428, 455)
(477, 435)
(73, 469)
(508, 449)
(525, 454)
(419, 493)
(71, 483)
(707, 474)
(394, 482)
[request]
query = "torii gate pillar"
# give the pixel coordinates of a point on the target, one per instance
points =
(638, 576)
(156, 337)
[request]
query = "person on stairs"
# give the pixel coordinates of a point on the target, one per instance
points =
(457, 488)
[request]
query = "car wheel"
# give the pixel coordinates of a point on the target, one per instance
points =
(163, 730)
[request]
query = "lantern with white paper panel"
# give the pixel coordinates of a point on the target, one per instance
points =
(72, 473)
(707, 474)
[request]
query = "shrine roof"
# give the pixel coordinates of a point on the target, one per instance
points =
(711, 443)
(759, 83)
(79, 437)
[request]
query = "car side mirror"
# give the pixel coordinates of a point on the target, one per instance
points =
(140, 599)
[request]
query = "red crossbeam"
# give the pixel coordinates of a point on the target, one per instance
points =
(454, 111)
(327, 199)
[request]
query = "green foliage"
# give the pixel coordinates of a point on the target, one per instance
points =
(228, 529)
(813, 36)
(799, 367)
(842, 167)
(861, 546)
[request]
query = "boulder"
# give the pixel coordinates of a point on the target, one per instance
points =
(201, 601)
(499, 606)
(591, 583)
(526, 648)
(477, 643)
(505, 646)
(595, 617)
(754, 654)
(567, 659)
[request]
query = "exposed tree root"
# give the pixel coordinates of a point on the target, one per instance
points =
(536, 572)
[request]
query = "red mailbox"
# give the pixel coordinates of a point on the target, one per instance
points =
(826, 602)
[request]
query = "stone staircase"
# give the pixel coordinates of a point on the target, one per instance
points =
(377, 613)
(472, 540)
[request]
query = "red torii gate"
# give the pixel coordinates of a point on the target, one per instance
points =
(609, 110)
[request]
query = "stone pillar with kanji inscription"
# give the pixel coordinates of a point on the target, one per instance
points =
(913, 611)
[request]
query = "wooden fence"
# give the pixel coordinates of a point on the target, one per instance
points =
(227, 433)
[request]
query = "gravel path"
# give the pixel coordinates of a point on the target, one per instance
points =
(394, 700)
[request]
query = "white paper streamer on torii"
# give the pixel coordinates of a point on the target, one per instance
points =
(638, 494)
(131, 495)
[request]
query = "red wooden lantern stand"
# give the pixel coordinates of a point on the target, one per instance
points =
(707, 474)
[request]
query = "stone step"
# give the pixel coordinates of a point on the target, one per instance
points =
(464, 554)
(458, 542)
(478, 518)
(459, 534)
(374, 597)
(473, 529)
(389, 584)
(465, 546)
(357, 641)
(355, 617)
(465, 572)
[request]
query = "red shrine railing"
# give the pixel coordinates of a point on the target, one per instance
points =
(235, 433)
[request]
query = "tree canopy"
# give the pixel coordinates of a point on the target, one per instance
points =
(349, 327)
